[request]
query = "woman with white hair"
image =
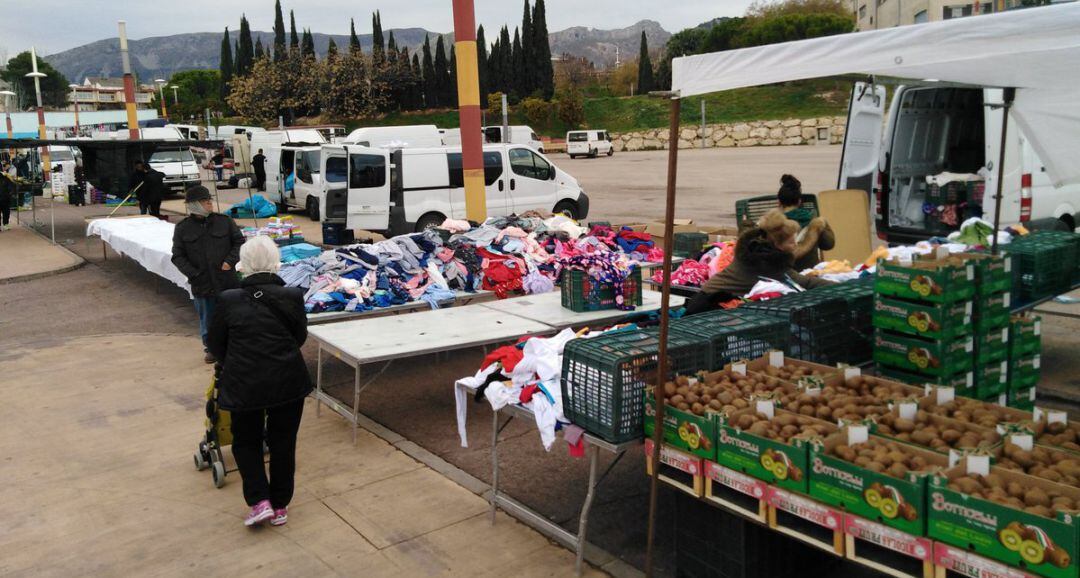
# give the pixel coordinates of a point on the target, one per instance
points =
(256, 333)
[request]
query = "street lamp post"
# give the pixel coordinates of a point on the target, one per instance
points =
(161, 82)
(175, 96)
(7, 110)
(75, 100)
(37, 76)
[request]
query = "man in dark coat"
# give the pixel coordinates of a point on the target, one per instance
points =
(206, 248)
(258, 162)
(7, 193)
(152, 191)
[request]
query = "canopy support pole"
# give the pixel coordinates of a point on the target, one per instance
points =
(1008, 95)
(665, 300)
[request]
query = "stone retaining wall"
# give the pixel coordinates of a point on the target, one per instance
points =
(824, 130)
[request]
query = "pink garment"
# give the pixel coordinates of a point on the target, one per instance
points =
(455, 226)
(445, 254)
(516, 232)
(655, 255)
(690, 273)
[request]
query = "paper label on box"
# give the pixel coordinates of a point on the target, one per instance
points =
(1025, 441)
(1031, 395)
(1056, 416)
(1038, 327)
(850, 372)
(970, 565)
(1008, 264)
(1037, 413)
(895, 540)
(1005, 300)
(978, 465)
(692, 380)
(941, 252)
(905, 260)
(812, 390)
(945, 394)
(776, 358)
(1003, 400)
(804, 508)
(739, 368)
(766, 407)
(954, 457)
(1005, 335)
(970, 381)
(737, 481)
(970, 272)
(1037, 361)
(908, 410)
(967, 308)
(968, 346)
(857, 434)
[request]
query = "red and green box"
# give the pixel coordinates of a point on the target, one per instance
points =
(930, 320)
(1043, 546)
(772, 461)
(963, 383)
(930, 356)
(993, 273)
(1024, 371)
(897, 503)
(926, 280)
(1025, 335)
(684, 430)
(991, 379)
(992, 345)
(992, 311)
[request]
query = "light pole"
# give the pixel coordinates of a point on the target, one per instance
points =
(7, 110)
(175, 97)
(161, 82)
(37, 76)
(75, 100)
(129, 84)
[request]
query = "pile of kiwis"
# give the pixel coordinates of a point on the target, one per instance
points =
(1053, 465)
(833, 404)
(792, 372)
(881, 389)
(924, 432)
(1059, 435)
(968, 410)
(1031, 499)
(698, 396)
(783, 427)
(883, 456)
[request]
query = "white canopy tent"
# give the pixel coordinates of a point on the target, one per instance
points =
(1036, 51)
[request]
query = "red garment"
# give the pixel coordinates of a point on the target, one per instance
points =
(502, 273)
(577, 450)
(508, 355)
(527, 393)
(634, 235)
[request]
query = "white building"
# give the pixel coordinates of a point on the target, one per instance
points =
(103, 93)
(874, 14)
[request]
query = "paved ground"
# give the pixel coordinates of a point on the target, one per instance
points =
(25, 255)
(413, 398)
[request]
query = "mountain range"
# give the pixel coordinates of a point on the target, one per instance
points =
(161, 56)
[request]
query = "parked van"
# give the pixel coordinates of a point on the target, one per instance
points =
(225, 131)
(588, 143)
(519, 134)
(188, 131)
(63, 156)
(403, 190)
(288, 151)
(451, 137)
(420, 135)
(178, 165)
(931, 130)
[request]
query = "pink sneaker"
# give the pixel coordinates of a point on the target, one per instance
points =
(260, 513)
(281, 515)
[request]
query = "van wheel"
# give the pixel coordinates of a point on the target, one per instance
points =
(611, 151)
(573, 156)
(592, 154)
(313, 209)
(568, 208)
(1070, 224)
(429, 221)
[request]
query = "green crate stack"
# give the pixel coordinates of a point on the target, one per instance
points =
(859, 295)
(580, 292)
(990, 316)
(1045, 264)
(603, 378)
(1065, 237)
(818, 326)
(734, 334)
(923, 322)
(1025, 356)
(689, 244)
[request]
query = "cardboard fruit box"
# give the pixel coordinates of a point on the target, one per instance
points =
(1022, 398)
(1024, 371)
(760, 366)
(930, 320)
(991, 345)
(1044, 422)
(1026, 335)
(894, 502)
(993, 273)
(1040, 545)
(992, 311)
(933, 357)
(989, 438)
(683, 430)
(772, 461)
(928, 279)
(991, 379)
(963, 383)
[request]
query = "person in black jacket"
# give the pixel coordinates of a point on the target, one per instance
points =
(258, 162)
(152, 192)
(206, 248)
(7, 193)
(256, 333)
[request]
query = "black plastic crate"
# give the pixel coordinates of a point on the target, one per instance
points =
(1067, 238)
(689, 244)
(734, 334)
(603, 378)
(859, 296)
(1042, 266)
(581, 293)
(818, 325)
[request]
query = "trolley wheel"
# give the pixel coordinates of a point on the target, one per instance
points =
(200, 462)
(218, 473)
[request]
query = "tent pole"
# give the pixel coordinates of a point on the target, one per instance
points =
(665, 300)
(1007, 99)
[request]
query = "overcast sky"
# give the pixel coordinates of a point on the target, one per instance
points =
(56, 25)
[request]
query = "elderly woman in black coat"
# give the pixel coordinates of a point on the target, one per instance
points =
(256, 333)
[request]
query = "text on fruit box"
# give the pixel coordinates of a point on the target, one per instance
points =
(676, 459)
(735, 480)
(965, 563)
(895, 540)
(804, 508)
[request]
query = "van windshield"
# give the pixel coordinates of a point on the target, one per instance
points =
(310, 160)
(579, 137)
(172, 156)
(61, 155)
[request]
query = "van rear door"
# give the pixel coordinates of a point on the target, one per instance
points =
(369, 188)
(862, 137)
(334, 167)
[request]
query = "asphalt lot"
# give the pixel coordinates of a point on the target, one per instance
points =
(414, 397)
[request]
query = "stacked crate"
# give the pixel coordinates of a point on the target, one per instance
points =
(1025, 350)
(819, 327)
(859, 295)
(1045, 264)
(923, 321)
(993, 299)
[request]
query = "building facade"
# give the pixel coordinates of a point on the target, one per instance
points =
(875, 14)
(101, 93)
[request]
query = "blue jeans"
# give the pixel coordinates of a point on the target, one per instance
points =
(220, 172)
(204, 307)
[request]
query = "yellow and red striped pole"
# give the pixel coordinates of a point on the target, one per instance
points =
(468, 82)
(129, 84)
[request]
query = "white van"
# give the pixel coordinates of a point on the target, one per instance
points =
(225, 131)
(519, 134)
(64, 157)
(407, 189)
(288, 151)
(931, 130)
(178, 165)
(588, 143)
(188, 131)
(420, 135)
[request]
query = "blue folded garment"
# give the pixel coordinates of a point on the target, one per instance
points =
(290, 253)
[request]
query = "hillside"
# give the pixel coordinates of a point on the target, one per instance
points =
(599, 46)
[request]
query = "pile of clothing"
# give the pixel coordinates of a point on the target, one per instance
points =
(695, 272)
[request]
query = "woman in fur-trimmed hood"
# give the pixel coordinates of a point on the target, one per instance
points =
(766, 251)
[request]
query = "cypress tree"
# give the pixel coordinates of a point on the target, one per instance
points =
(482, 65)
(494, 67)
(451, 91)
(279, 33)
(431, 95)
(331, 50)
(544, 71)
(294, 40)
(506, 62)
(517, 67)
(245, 57)
(526, 75)
(259, 52)
(226, 64)
(378, 53)
(417, 100)
(442, 76)
(354, 42)
(391, 44)
(307, 48)
(645, 82)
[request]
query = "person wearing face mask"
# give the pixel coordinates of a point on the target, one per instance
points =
(206, 248)
(763, 252)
